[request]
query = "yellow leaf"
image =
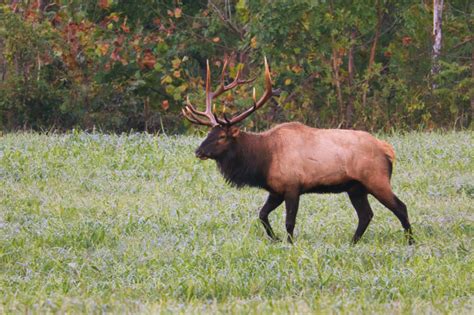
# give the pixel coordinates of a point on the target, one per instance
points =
(175, 63)
(288, 81)
(253, 42)
(305, 21)
(296, 69)
(166, 79)
(183, 87)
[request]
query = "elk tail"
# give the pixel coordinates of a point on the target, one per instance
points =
(389, 154)
(388, 150)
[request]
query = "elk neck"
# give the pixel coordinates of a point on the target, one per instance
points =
(247, 162)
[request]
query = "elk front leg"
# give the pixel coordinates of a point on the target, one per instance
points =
(291, 203)
(273, 201)
(364, 213)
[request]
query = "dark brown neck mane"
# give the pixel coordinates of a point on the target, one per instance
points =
(247, 162)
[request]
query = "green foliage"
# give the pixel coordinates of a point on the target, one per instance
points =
(120, 65)
(455, 92)
(26, 94)
(135, 223)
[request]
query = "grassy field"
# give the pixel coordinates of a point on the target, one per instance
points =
(135, 223)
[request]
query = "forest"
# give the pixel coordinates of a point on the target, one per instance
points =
(118, 66)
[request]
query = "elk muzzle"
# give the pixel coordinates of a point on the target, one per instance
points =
(201, 155)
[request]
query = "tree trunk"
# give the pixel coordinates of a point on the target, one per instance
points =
(373, 49)
(146, 112)
(337, 80)
(3, 62)
(437, 36)
(350, 70)
(335, 64)
(471, 116)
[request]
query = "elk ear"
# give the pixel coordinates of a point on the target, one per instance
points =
(234, 131)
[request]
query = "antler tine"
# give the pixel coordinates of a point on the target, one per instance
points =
(257, 104)
(226, 62)
(189, 117)
(237, 81)
(192, 114)
(185, 114)
(193, 109)
(209, 97)
(192, 117)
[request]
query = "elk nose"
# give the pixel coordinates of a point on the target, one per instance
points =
(200, 154)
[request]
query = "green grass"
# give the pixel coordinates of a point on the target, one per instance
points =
(135, 223)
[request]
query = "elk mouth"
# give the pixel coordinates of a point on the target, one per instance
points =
(201, 155)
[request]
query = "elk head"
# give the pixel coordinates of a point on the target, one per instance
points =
(224, 133)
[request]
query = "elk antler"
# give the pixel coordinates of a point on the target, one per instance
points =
(224, 88)
(192, 114)
(197, 117)
(256, 104)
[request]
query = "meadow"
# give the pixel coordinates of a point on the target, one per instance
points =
(135, 223)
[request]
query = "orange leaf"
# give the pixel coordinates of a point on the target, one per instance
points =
(124, 26)
(216, 39)
(56, 20)
(229, 98)
(165, 104)
(115, 55)
(31, 15)
(103, 4)
(119, 40)
(406, 40)
(114, 17)
(149, 59)
(103, 48)
(178, 12)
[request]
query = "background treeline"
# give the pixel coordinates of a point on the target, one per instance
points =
(120, 65)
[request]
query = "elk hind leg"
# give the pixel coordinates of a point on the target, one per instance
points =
(364, 212)
(386, 196)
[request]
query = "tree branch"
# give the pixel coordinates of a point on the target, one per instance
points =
(227, 21)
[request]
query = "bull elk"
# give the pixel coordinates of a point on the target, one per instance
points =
(292, 159)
